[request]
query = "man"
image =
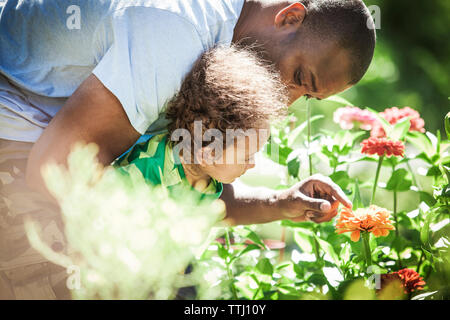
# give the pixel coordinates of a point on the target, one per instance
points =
(102, 71)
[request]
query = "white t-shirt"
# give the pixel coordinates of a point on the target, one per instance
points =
(139, 49)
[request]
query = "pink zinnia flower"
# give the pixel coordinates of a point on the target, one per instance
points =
(394, 115)
(382, 147)
(347, 116)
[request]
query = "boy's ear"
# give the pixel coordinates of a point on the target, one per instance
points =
(293, 14)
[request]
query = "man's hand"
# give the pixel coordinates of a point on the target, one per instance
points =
(314, 199)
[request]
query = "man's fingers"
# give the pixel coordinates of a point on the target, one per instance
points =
(337, 192)
(313, 215)
(314, 204)
(319, 217)
(342, 198)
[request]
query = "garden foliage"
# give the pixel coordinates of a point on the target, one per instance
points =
(131, 240)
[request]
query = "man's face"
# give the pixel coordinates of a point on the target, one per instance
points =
(317, 69)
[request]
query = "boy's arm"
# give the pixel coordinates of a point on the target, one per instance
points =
(248, 205)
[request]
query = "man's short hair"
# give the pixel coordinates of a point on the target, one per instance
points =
(349, 24)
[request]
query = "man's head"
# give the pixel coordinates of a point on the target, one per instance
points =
(225, 103)
(321, 47)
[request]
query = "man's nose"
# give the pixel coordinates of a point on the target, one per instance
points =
(296, 93)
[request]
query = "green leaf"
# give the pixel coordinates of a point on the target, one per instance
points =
(283, 265)
(221, 251)
(339, 100)
(345, 252)
(250, 235)
(279, 156)
(341, 178)
(244, 286)
(294, 134)
(425, 231)
(439, 140)
(424, 296)
(447, 125)
(423, 156)
(292, 224)
(289, 292)
(265, 266)
(386, 125)
(400, 129)
(317, 279)
(328, 248)
(364, 158)
(250, 247)
(427, 198)
(344, 140)
(294, 167)
(357, 201)
(303, 240)
(446, 172)
(400, 180)
(434, 171)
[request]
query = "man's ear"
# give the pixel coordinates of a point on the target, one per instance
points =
(293, 14)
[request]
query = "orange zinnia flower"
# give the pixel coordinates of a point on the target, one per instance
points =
(373, 219)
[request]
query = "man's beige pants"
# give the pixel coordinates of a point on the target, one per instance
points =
(24, 273)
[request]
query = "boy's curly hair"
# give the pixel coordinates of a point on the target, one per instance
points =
(228, 88)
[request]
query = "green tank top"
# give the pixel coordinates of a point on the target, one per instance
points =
(155, 161)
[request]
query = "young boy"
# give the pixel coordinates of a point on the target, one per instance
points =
(229, 95)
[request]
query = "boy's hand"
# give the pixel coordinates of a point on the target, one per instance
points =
(314, 199)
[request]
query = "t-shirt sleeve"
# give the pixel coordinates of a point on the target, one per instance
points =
(149, 52)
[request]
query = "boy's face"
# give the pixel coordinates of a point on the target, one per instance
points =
(238, 157)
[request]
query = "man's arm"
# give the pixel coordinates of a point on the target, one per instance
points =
(91, 114)
(314, 199)
(249, 205)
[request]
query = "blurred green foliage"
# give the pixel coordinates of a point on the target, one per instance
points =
(127, 239)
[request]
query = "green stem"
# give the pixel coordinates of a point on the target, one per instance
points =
(396, 228)
(315, 243)
(377, 175)
(397, 234)
(283, 239)
(316, 247)
(366, 248)
(395, 214)
(316, 250)
(227, 262)
(420, 261)
(308, 107)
